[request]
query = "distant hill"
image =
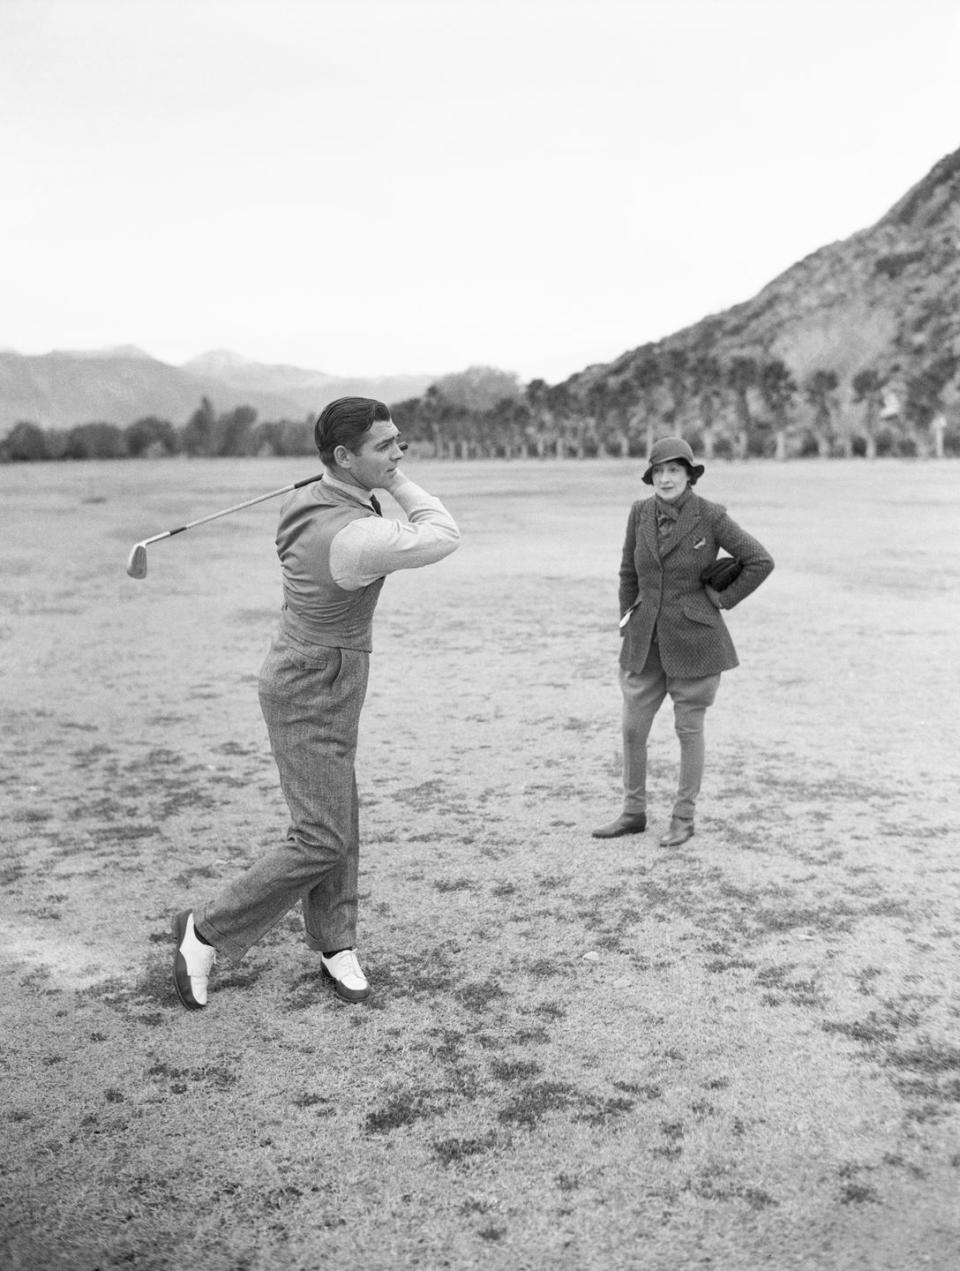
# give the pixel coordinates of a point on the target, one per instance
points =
(310, 389)
(119, 386)
(884, 301)
(861, 331)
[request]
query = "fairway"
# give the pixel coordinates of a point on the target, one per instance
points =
(741, 1054)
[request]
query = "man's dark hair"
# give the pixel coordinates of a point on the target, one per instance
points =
(344, 422)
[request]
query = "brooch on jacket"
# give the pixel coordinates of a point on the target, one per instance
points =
(701, 542)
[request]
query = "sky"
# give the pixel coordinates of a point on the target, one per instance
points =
(374, 187)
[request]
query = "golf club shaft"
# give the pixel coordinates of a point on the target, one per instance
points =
(237, 507)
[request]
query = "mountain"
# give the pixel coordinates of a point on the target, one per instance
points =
(886, 300)
(118, 386)
(311, 389)
(880, 306)
(119, 351)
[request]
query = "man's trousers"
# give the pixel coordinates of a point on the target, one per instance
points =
(311, 696)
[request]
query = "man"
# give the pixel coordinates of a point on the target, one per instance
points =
(335, 549)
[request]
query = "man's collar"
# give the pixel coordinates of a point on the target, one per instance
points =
(357, 492)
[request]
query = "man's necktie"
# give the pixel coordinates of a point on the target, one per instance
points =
(375, 504)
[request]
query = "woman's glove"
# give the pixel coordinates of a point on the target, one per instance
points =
(721, 573)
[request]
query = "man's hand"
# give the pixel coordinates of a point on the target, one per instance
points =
(392, 482)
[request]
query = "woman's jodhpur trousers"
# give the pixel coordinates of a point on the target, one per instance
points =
(643, 694)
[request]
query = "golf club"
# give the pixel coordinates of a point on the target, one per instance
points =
(137, 564)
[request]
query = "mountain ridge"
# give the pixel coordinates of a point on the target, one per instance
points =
(880, 304)
(853, 348)
(119, 385)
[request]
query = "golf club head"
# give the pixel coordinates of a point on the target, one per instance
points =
(137, 564)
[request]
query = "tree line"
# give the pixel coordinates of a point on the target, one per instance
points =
(205, 434)
(738, 407)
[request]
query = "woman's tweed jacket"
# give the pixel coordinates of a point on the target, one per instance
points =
(668, 594)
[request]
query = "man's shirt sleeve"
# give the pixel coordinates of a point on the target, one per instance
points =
(372, 546)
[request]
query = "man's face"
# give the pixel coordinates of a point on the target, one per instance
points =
(375, 463)
(670, 479)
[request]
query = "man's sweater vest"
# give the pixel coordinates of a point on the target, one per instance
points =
(315, 608)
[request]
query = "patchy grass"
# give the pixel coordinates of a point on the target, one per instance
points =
(579, 1053)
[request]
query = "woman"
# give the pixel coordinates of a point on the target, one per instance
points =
(674, 638)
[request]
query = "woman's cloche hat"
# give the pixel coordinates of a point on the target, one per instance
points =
(668, 448)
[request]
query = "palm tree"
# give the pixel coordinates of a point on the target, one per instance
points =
(924, 402)
(621, 400)
(540, 417)
(504, 428)
(561, 405)
(819, 389)
(742, 375)
(433, 412)
(778, 388)
(647, 377)
(707, 378)
(198, 432)
(868, 386)
(594, 408)
(676, 366)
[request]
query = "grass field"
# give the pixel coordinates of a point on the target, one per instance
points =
(580, 1054)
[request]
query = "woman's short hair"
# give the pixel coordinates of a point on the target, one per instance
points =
(344, 422)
